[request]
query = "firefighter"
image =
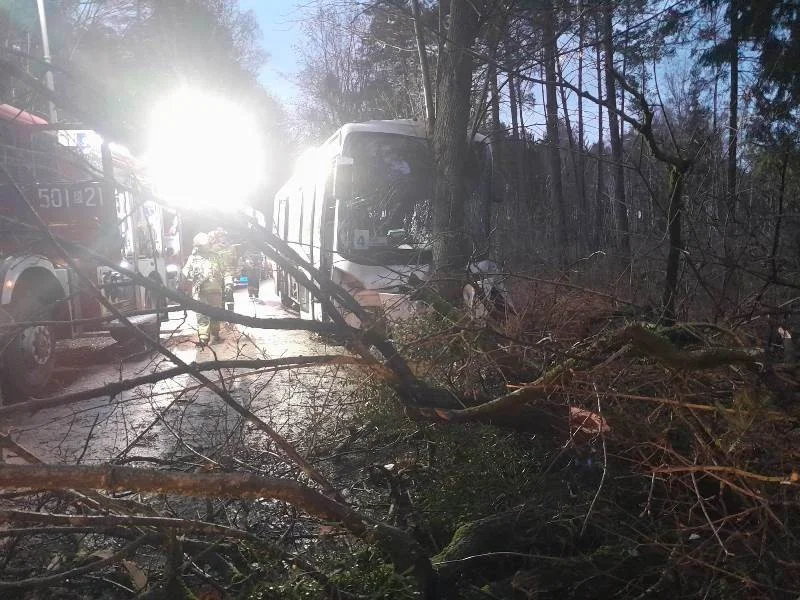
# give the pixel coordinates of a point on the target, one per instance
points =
(204, 270)
(229, 261)
(253, 268)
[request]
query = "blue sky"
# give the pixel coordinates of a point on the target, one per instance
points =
(280, 27)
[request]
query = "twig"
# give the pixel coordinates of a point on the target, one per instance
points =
(648, 593)
(500, 555)
(687, 405)
(791, 479)
(705, 513)
(39, 582)
(573, 286)
(646, 509)
(605, 466)
(88, 439)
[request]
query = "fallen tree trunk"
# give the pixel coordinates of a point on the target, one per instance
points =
(527, 408)
(656, 346)
(403, 550)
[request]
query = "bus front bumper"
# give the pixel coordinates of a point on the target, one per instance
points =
(383, 305)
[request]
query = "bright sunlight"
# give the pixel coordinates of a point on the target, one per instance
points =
(203, 151)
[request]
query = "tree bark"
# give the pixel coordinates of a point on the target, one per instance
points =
(551, 83)
(674, 215)
(583, 216)
(512, 106)
(620, 204)
(776, 236)
(427, 84)
(494, 103)
(577, 167)
(522, 149)
(599, 220)
(733, 107)
(403, 550)
(450, 252)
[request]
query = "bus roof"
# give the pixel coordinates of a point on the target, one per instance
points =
(409, 127)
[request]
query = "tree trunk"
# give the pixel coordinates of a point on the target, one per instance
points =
(494, 103)
(733, 111)
(620, 205)
(522, 150)
(599, 192)
(556, 186)
(574, 151)
(512, 102)
(430, 114)
(583, 216)
(776, 236)
(450, 252)
(674, 214)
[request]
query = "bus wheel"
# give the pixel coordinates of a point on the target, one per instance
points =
(30, 357)
(283, 297)
(285, 294)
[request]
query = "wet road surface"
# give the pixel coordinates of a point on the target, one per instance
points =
(176, 419)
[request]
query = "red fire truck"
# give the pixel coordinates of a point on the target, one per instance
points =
(88, 193)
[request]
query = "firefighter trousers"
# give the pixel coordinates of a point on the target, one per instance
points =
(206, 326)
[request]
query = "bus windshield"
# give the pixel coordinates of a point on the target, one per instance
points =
(393, 186)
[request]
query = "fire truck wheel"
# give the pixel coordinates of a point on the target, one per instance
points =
(30, 357)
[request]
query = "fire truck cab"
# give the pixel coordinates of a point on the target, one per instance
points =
(86, 193)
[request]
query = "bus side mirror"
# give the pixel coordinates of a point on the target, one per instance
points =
(343, 178)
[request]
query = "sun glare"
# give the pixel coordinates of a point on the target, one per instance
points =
(204, 151)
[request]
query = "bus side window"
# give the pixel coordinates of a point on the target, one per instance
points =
(308, 215)
(294, 215)
(329, 182)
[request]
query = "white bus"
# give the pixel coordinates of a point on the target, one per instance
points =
(358, 207)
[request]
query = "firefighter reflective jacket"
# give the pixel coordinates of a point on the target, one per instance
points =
(204, 269)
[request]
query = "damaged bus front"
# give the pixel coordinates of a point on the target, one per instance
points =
(358, 207)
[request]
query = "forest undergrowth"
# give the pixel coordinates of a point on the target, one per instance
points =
(677, 475)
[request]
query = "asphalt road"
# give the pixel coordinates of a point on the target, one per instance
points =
(175, 419)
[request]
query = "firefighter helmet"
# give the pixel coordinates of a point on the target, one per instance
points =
(200, 240)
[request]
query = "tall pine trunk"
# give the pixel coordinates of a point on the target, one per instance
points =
(512, 103)
(600, 184)
(450, 251)
(620, 204)
(427, 84)
(554, 153)
(674, 218)
(494, 103)
(733, 111)
(522, 147)
(583, 216)
(574, 153)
